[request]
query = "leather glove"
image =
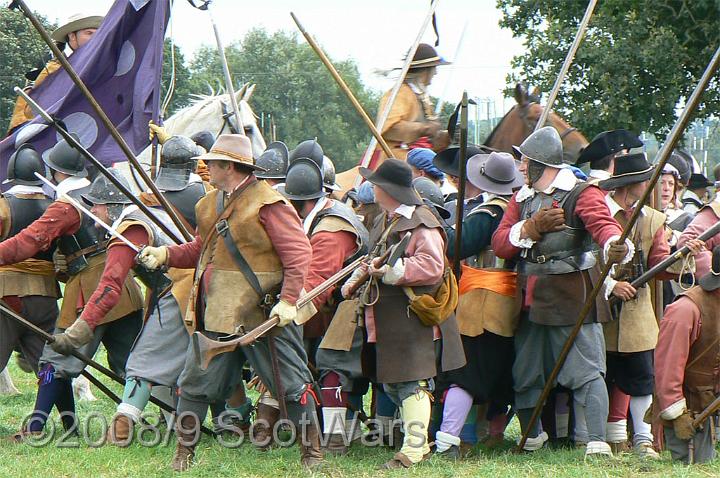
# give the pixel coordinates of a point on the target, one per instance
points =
(616, 252)
(545, 220)
(74, 337)
(285, 312)
(683, 426)
(60, 262)
(153, 257)
(159, 131)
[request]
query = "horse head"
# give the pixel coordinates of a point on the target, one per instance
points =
(520, 122)
(214, 113)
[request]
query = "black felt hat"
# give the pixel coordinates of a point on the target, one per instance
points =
(630, 169)
(448, 162)
(395, 178)
(698, 181)
(426, 56)
(607, 143)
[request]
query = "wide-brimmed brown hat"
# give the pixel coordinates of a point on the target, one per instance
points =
(494, 173)
(231, 147)
(711, 281)
(426, 56)
(629, 169)
(395, 178)
(78, 21)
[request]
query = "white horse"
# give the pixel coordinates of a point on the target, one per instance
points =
(212, 113)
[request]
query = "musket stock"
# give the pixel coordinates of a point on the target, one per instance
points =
(669, 260)
(206, 349)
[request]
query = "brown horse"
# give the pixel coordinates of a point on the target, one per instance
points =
(512, 130)
(520, 122)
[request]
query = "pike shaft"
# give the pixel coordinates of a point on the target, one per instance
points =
(92, 216)
(101, 168)
(566, 64)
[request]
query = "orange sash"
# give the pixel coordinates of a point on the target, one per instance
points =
(501, 282)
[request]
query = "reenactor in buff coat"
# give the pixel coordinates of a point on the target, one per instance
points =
(78, 239)
(399, 350)
(488, 308)
(249, 245)
(631, 338)
(412, 122)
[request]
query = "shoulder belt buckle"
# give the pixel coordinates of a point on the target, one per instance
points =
(541, 259)
(222, 227)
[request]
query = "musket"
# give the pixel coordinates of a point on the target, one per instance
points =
(566, 64)
(663, 155)
(155, 280)
(206, 349)
(82, 357)
(460, 203)
(72, 141)
(382, 118)
(343, 86)
(670, 260)
(102, 116)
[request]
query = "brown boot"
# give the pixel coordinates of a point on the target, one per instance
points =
(120, 431)
(186, 442)
(265, 419)
(310, 454)
(336, 445)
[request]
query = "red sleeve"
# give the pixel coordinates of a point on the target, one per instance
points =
(593, 210)
(282, 224)
(679, 329)
(185, 256)
(329, 251)
(659, 251)
(501, 238)
(119, 260)
(700, 223)
(424, 258)
(59, 219)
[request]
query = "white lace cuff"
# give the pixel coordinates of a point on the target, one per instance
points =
(674, 410)
(631, 249)
(609, 286)
(515, 238)
(394, 274)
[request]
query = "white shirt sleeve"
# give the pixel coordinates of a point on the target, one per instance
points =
(515, 238)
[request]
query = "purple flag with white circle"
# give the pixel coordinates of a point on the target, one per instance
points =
(121, 65)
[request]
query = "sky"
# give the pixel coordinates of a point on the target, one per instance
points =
(374, 33)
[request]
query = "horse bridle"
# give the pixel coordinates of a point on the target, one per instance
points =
(530, 125)
(226, 120)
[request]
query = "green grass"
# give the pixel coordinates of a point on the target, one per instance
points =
(213, 460)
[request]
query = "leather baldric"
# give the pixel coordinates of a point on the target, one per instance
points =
(223, 230)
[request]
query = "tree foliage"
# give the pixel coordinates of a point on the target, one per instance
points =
(639, 60)
(22, 50)
(296, 90)
(183, 86)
